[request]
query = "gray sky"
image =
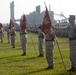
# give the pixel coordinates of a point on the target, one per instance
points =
(67, 7)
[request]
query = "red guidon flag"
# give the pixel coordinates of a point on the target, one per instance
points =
(11, 25)
(24, 23)
(1, 26)
(46, 22)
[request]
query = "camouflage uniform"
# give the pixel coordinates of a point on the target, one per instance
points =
(72, 43)
(40, 42)
(23, 39)
(1, 35)
(23, 32)
(8, 35)
(49, 49)
(13, 34)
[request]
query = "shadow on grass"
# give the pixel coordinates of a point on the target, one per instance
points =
(37, 71)
(33, 72)
(66, 73)
(33, 58)
(11, 58)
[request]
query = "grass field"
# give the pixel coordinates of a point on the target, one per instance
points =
(12, 63)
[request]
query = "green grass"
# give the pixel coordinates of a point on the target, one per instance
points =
(12, 63)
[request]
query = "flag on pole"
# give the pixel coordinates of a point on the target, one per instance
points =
(46, 22)
(11, 25)
(24, 23)
(1, 26)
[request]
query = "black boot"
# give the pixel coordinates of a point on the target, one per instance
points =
(41, 55)
(24, 54)
(49, 68)
(13, 47)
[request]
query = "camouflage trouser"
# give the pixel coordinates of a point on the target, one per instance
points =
(8, 37)
(23, 42)
(1, 36)
(49, 52)
(73, 52)
(13, 40)
(40, 45)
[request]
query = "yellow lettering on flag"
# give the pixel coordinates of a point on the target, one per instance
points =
(46, 21)
(46, 30)
(24, 23)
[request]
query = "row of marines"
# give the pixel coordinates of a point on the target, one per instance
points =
(49, 42)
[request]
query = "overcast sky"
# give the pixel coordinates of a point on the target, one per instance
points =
(67, 7)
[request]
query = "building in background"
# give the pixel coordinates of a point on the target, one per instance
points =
(38, 9)
(35, 19)
(12, 11)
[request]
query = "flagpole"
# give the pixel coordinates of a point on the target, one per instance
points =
(24, 21)
(32, 41)
(57, 45)
(60, 53)
(44, 3)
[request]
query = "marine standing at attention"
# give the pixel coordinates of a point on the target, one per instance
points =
(40, 42)
(71, 28)
(23, 34)
(12, 33)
